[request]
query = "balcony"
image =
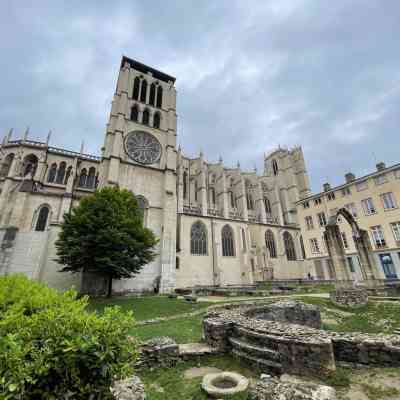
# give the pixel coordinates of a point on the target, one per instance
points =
(192, 210)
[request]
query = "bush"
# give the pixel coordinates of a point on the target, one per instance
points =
(52, 348)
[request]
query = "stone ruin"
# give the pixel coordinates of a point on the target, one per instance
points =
(285, 337)
(346, 292)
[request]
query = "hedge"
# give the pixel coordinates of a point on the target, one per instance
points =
(52, 348)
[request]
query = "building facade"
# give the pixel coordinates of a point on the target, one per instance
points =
(216, 225)
(373, 201)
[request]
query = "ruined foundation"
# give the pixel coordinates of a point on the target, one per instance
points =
(291, 342)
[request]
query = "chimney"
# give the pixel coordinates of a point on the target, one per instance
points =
(349, 177)
(380, 166)
(326, 186)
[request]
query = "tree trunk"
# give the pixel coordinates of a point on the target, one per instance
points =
(109, 288)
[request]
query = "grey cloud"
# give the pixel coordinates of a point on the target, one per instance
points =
(250, 76)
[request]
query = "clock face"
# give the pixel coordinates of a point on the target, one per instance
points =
(143, 147)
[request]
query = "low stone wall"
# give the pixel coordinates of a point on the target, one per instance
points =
(159, 352)
(350, 297)
(277, 347)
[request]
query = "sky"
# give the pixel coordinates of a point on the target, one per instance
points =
(251, 75)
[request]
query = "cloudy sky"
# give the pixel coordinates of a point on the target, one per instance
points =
(251, 75)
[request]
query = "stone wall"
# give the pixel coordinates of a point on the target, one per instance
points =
(350, 297)
(282, 346)
(160, 352)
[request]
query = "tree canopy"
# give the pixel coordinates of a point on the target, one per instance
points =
(105, 234)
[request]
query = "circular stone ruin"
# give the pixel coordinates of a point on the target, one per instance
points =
(286, 337)
(224, 384)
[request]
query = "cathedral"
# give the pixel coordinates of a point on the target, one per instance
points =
(216, 225)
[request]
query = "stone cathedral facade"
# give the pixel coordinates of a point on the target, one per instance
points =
(216, 225)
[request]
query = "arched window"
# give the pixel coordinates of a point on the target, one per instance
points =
(91, 179)
(228, 243)
(250, 203)
(152, 97)
(6, 166)
(195, 190)
(244, 240)
(157, 120)
(41, 222)
(270, 243)
(198, 239)
(136, 85)
(303, 251)
(134, 113)
(185, 178)
(275, 167)
(143, 91)
(212, 196)
(267, 205)
(67, 175)
(232, 198)
(61, 173)
(289, 246)
(29, 165)
(146, 117)
(144, 207)
(52, 173)
(159, 97)
(83, 178)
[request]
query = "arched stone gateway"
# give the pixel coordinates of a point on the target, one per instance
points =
(337, 252)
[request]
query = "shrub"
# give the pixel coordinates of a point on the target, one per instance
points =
(52, 348)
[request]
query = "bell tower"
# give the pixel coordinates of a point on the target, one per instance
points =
(139, 154)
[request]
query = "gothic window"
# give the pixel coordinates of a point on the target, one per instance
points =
(29, 165)
(143, 91)
(228, 244)
(6, 166)
(267, 205)
(61, 172)
(303, 251)
(232, 198)
(143, 206)
(159, 97)
(289, 246)
(134, 113)
(41, 222)
(275, 167)
(157, 120)
(250, 203)
(91, 178)
(270, 243)
(52, 173)
(67, 175)
(185, 178)
(83, 178)
(198, 239)
(244, 240)
(136, 85)
(146, 117)
(152, 97)
(212, 196)
(195, 190)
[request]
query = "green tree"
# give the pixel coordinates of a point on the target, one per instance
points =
(104, 234)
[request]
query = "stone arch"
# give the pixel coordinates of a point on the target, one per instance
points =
(337, 252)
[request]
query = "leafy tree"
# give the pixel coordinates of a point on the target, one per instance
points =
(105, 234)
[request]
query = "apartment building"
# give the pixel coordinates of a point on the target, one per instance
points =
(373, 200)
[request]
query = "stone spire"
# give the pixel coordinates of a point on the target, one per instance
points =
(26, 134)
(48, 137)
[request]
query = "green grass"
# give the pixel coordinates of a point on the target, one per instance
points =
(170, 383)
(183, 330)
(374, 318)
(147, 307)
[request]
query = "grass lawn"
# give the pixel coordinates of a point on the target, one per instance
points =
(171, 384)
(147, 307)
(376, 317)
(182, 330)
